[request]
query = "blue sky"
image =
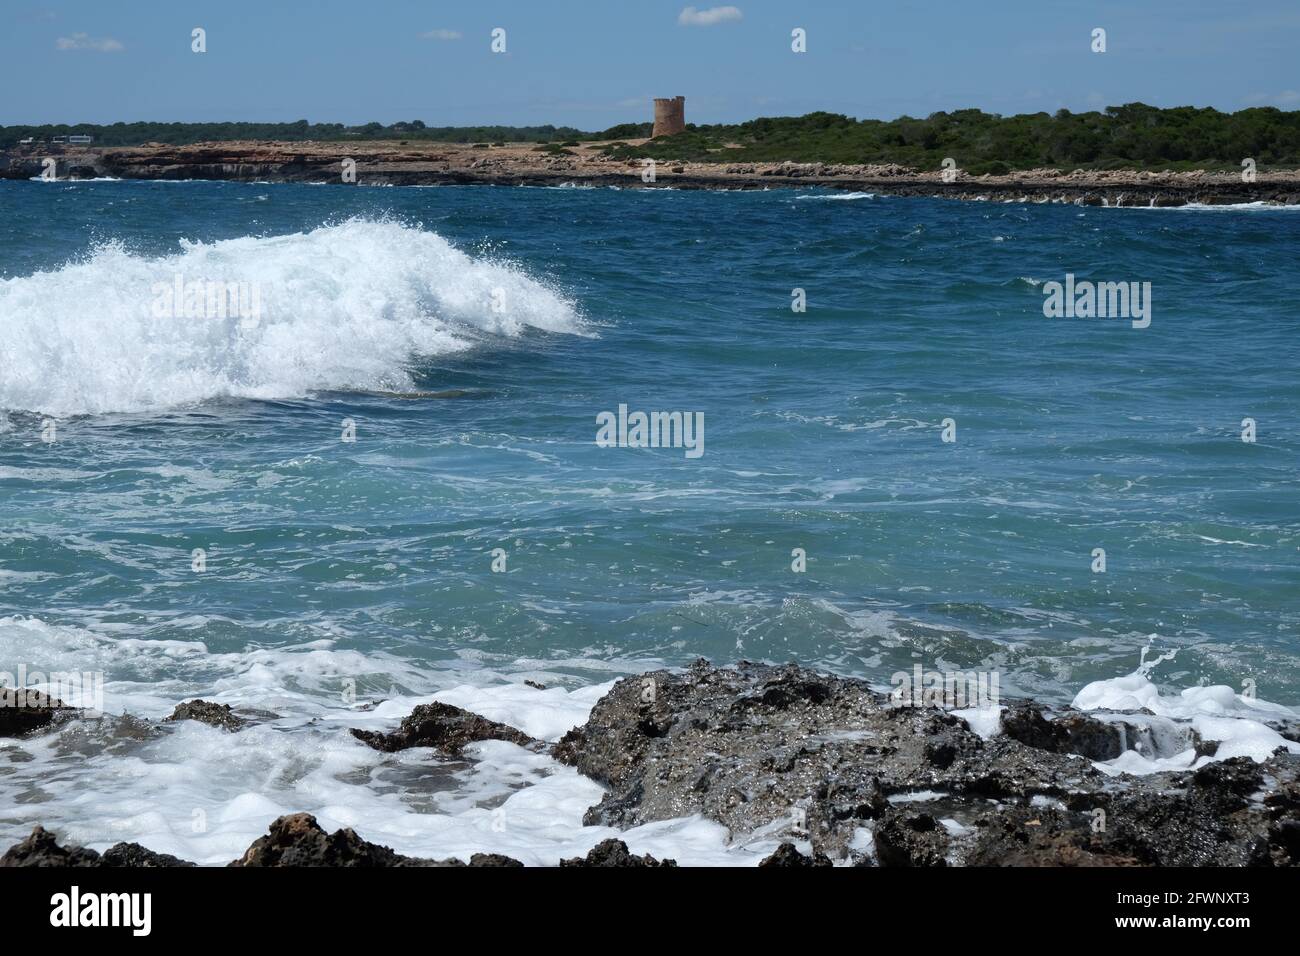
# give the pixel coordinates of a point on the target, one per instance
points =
(592, 64)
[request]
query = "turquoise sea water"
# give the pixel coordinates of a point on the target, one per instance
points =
(372, 561)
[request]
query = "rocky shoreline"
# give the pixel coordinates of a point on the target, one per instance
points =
(391, 163)
(832, 768)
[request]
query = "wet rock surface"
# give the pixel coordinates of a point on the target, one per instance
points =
(759, 746)
(298, 840)
(907, 837)
(615, 853)
(23, 711)
(755, 744)
(832, 765)
(42, 848)
(444, 727)
(133, 854)
(1076, 733)
(205, 712)
(788, 855)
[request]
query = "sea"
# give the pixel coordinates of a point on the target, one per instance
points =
(324, 453)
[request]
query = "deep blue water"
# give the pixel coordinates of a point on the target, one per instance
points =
(822, 432)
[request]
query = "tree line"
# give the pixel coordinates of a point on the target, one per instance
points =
(1131, 136)
(183, 134)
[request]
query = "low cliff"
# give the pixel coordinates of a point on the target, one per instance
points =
(410, 164)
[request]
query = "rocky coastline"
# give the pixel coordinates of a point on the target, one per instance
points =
(389, 163)
(834, 769)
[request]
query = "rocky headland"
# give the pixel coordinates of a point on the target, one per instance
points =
(836, 770)
(394, 163)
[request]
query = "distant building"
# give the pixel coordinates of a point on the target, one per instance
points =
(81, 139)
(27, 141)
(670, 116)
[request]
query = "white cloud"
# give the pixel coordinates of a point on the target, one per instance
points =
(690, 17)
(83, 41)
(441, 34)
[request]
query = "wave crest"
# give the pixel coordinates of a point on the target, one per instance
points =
(343, 307)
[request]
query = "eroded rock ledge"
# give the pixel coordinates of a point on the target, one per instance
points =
(396, 163)
(785, 749)
(444, 727)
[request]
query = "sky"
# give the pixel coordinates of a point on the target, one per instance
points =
(595, 63)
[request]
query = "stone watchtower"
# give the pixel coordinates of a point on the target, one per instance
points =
(670, 116)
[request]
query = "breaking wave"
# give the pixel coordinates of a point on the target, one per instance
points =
(344, 306)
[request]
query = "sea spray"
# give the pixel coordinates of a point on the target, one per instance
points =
(342, 307)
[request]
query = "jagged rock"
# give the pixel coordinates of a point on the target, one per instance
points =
(909, 838)
(1024, 836)
(1207, 817)
(293, 840)
(298, 840)
(41, 848)
(493, 859)
(206, 712)
(23, 711)
(1070, 732)
(614, 853)
(787, 855)
(133, 854)
(1203, 818)
(749, 745)
(755, 745)
(444, 727)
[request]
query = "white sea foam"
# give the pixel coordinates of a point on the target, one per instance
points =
(840, 196)
(344, 306)
(1258, 205)
(1216, 713)
(204, 794)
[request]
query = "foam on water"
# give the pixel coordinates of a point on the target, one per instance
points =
(204, 794)
(342, 307)
(1258, 205)
(840, 196)
(1216, 713)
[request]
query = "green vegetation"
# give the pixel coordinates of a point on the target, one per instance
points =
(1131, 136)
(182, 134)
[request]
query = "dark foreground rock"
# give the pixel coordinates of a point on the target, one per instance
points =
(762, 746)
(23, 711)
(788, 855)
(43, 849)
(445, 728)
(293, 840)
(298, 840)
(206, 712)
(615, 853)
(827, 760)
